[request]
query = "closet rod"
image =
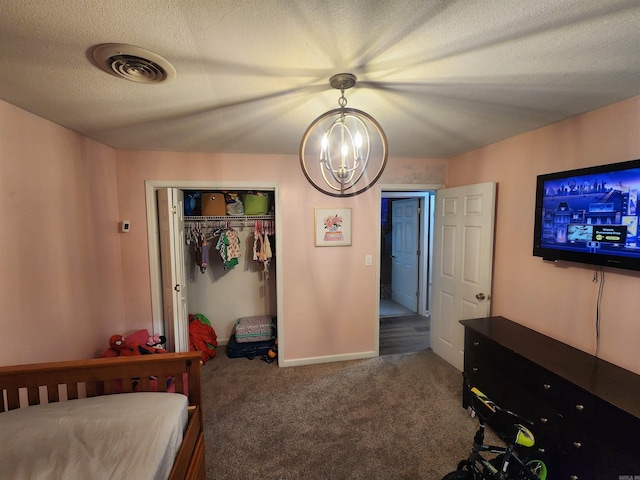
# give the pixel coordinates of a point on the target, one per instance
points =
(231, 221)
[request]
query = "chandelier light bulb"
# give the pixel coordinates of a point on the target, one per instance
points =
(358, 143)
(323, 146)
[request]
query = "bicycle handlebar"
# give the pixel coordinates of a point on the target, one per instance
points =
(492, 406)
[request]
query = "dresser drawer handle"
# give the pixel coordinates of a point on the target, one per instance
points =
(544, 420)
(546, 386)
(577, 444)
(573, 477)
(580, 407)
(475, 344)
(475, 369)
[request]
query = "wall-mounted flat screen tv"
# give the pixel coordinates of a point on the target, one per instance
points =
(589, 215)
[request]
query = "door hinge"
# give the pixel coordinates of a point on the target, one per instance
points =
(174, 209)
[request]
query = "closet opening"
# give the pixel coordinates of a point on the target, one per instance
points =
(189, 274)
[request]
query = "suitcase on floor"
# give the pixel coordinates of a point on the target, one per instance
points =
(249, 350)
(254, 329)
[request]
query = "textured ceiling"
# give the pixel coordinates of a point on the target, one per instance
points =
(441, 77)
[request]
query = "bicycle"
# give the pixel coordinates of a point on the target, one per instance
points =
(508, 464)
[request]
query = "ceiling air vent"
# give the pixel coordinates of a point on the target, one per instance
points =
(133, 63)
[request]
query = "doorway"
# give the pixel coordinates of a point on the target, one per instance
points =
(405, 253)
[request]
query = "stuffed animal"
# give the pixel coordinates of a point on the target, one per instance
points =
(156, 341)
(124, 348)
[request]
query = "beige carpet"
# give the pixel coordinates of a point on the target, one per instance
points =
(392, 417)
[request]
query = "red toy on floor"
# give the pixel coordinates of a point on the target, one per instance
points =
(124, 348)
(202, 337)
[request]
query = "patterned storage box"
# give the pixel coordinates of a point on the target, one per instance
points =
(254, 329)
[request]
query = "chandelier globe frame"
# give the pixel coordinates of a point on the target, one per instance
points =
(344, 151)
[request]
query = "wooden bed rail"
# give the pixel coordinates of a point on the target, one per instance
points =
(52, 382)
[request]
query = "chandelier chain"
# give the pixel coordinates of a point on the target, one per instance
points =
(342, 101)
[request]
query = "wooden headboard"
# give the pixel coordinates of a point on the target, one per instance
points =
(24, 385)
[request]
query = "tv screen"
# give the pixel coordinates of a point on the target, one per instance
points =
(589, 215)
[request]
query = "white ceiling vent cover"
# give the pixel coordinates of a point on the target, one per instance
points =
(133, 63)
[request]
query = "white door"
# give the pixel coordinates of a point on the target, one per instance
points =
(462, 263)
(172, 260)
(404, 253)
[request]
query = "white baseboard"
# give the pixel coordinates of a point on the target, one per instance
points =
(326, 359)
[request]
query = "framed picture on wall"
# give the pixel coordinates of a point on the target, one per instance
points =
(333, 227)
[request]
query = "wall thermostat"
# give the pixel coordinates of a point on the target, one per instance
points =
(125, 225)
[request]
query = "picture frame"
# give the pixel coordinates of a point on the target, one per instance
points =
(332, 227)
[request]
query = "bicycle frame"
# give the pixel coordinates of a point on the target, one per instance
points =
(505, 464)
(483, 469)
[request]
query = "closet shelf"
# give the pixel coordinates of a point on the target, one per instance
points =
(228, 218)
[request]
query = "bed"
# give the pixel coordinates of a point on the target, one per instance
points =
(49, 395)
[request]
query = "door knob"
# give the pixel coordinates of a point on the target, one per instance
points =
(480, 296)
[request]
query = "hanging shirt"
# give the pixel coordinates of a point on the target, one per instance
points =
(229, 247)
(266, 256)
(233, 245)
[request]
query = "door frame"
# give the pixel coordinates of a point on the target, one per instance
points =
(153, 238)
(420, 191)
(402, 190)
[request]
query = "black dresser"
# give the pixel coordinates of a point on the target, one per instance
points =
(586, 411)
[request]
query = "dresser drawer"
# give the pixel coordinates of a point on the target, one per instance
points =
(547, 428)
(590, 458)
(478, 347)
(482, 352)
(616, 436)
(576, 467)
(575, 405)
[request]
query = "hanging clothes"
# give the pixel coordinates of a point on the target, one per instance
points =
(229, 247)
(196, 237)
(267, 255)
(228, 243)
(202, 256)
(262, 247)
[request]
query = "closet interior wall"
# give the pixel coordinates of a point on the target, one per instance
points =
(225, 295)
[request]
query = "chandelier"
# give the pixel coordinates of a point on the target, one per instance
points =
(344, 151)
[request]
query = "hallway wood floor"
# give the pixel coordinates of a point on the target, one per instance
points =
(404, 334)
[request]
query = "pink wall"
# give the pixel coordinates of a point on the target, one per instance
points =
(61, 281)
(558, 300)
(70, 280)
(330, 296)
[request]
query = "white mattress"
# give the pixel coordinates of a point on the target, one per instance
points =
(124, 436)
